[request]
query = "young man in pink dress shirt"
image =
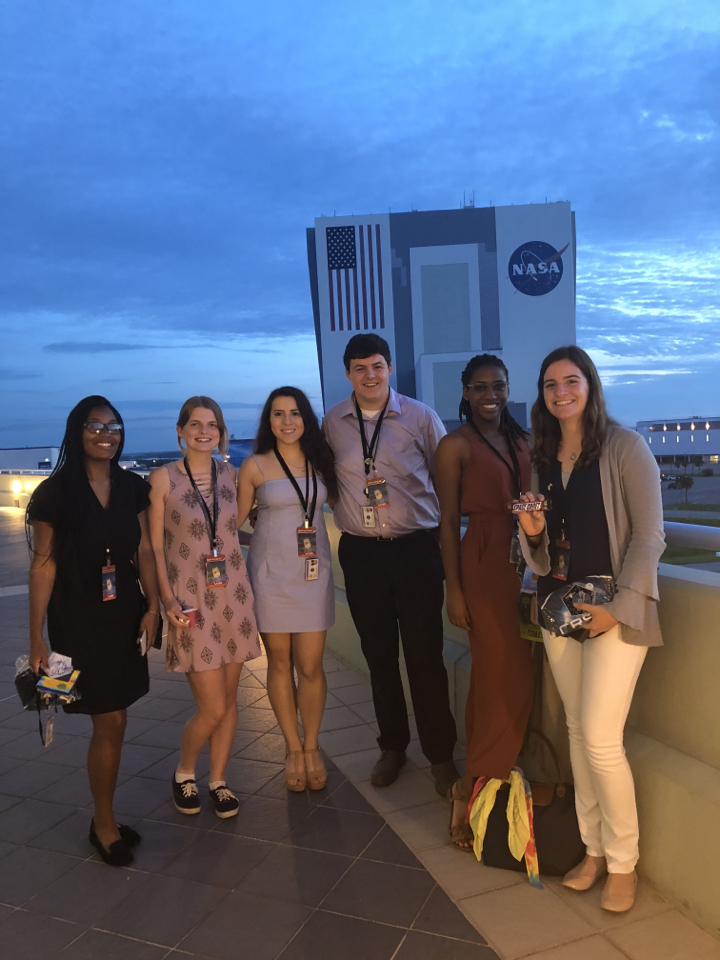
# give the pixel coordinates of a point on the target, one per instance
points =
(384, 445)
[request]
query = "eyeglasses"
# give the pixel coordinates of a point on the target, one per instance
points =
(96, 427)
(500, 386)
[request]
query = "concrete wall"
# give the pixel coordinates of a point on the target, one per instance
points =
(16, 487)
(672, 739)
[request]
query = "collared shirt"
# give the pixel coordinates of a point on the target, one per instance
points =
(405, 458)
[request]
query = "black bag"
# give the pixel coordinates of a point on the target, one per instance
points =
(557, 835)
(25, 684)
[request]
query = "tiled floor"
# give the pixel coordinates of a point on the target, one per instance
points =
(350, 872)
(293, 876)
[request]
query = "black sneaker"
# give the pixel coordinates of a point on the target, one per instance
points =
(225, 802)
(185, 796)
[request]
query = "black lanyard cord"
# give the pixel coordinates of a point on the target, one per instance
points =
(304, 501)
(515, 469)
(370, 450)
(210, 520)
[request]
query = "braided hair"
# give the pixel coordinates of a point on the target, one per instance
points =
(510, 428)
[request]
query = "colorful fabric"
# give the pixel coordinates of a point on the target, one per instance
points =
(521, 836)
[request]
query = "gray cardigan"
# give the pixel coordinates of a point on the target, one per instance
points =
(630, 482)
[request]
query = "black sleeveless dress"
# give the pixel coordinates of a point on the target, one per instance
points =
(100, 636)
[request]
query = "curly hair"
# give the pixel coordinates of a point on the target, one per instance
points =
(312, 443)
(595, 419)
(510, 428)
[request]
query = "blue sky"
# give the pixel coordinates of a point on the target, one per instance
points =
(159, 163)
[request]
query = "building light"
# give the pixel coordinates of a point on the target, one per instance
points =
(692, 439)
(663, 439)
(664, 426)
(678, 438)
(707, 426)
(16, 486)
(678, 426)
(649, 439)
(692, 426)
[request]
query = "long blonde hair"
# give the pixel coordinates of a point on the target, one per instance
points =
(207, 404)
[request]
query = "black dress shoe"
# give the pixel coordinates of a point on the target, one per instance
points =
(387, 769)
(445, 774)
(131, 837)
(118, 854)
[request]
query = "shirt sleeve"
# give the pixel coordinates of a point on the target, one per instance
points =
(141, 490)
(43, 505)
(433, 432)
(637, 580)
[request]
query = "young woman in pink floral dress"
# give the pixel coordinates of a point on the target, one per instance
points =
(206, 594)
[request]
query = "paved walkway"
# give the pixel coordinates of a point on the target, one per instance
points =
(350, 873)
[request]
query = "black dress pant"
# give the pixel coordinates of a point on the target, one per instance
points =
(395, 590)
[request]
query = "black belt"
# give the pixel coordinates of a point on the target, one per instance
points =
(402, 536)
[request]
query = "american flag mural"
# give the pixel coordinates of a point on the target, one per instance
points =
(355, 277)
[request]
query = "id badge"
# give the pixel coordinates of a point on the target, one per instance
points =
(377, 492)
(215, 575)
(312, 568)
(561, 564)
(368, 516)
(109, 590)
(307, 542)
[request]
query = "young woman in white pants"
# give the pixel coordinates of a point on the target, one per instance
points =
(605, 519)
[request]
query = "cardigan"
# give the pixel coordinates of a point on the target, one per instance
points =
(630, 481)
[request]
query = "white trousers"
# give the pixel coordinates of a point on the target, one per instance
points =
(596, 681)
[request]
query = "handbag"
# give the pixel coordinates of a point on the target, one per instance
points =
(557, 835)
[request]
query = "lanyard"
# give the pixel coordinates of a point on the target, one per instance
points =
(304, 501)
(560, 495)
(515, 469)
(370, 450)
(210, 520)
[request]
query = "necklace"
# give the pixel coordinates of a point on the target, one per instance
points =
(573, 456)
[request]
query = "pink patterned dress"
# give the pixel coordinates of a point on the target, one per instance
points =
(226, 630)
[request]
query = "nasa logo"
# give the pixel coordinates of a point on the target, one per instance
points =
(536, 268)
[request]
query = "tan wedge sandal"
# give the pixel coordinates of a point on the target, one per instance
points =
(315, 768)
(295, 775)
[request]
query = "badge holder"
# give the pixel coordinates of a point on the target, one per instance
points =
(368, 516)
(377, 492)
(109, 586)
(307, 543)
(312, 568)
(215, 575)
(561, 564)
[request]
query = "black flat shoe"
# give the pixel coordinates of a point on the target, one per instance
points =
(118, 854)
(131, 837)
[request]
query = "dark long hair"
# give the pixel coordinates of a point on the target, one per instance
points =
(69, 481)
(509, 426)
(595, 419)
(312, 443)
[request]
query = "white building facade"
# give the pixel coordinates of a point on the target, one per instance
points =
(441, 286)
(686, 437)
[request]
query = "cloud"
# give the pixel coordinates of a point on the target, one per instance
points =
(6, 374)
(160, 163)
(72, 346)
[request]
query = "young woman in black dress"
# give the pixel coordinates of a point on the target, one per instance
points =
(88, 516)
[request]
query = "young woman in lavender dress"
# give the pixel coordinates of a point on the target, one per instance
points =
(294, 595)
